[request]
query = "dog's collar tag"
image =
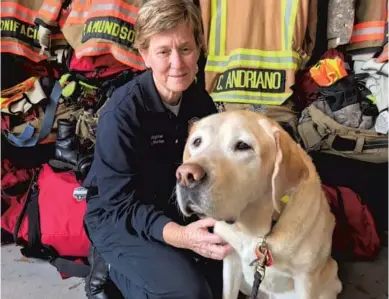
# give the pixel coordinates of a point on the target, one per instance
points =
(285, 198)
(262, 252)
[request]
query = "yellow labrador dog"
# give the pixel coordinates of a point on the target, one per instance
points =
(245, 171)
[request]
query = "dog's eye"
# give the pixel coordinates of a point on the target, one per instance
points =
(242, 146)
(196, 142)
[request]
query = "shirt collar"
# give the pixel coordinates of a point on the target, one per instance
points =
(151, 96)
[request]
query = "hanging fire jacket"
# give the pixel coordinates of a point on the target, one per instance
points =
(19, 33)
(368, 34)
(50, 12)
(96, 27)
(341, 16)
(254, 47)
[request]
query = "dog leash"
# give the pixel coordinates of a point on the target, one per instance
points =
(263, 260)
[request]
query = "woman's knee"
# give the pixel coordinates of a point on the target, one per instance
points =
(184, 281)
(160, 271)
(196, 288)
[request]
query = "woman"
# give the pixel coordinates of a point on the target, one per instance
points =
(132, 219)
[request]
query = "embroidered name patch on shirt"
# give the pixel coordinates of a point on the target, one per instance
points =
(157, 139)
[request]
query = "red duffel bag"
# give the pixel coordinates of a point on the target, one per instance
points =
(50, 223)
(355, 235)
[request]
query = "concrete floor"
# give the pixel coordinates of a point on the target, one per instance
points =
(25, 278)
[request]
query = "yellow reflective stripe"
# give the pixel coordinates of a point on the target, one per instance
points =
(293, 5)
(251, 64)
(285, 53)
(217, 42)
(288, 12)
(220, 11)
(223, 28)
(283, 14)
(212, 31)
(250, 97)
(245, 101)
(270, 95)
(254, 59)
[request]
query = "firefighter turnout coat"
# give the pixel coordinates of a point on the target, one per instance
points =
(19, 32)
(370, 28)
(96, 27)
(254, 47)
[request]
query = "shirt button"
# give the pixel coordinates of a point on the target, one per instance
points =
(176, 141)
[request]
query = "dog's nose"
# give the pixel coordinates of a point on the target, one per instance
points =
(190, 174)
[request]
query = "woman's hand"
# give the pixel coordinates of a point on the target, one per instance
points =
(196, 237)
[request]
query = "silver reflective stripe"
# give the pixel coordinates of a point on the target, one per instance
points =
(94, 50)
(218, 26)
(252, 58)
(49, 8)
(113, 7)
(234, 97)
(18, 13)
(288, 15)
(17, 49)
(105, 8)
(374, 30)
(78, 14)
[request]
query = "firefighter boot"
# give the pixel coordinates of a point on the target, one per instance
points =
(98, 285)
(68, 152)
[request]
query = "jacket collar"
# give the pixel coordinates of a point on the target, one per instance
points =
(150, 94)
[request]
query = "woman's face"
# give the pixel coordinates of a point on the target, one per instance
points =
(172, 55)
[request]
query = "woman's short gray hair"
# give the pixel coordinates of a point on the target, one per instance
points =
(156, 16)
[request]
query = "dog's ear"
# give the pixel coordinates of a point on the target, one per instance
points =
(289, 167)
(276, 171)
(192, 124)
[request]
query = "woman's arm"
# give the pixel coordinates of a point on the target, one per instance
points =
(116, 163)
(196, 237)
(173, 234)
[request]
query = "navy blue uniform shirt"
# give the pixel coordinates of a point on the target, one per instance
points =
(138, 149)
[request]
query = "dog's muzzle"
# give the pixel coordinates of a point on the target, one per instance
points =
(191, 177)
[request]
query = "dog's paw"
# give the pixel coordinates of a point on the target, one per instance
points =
(221, 228)
(228, 232)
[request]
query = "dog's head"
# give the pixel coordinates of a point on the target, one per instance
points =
(232, 159)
